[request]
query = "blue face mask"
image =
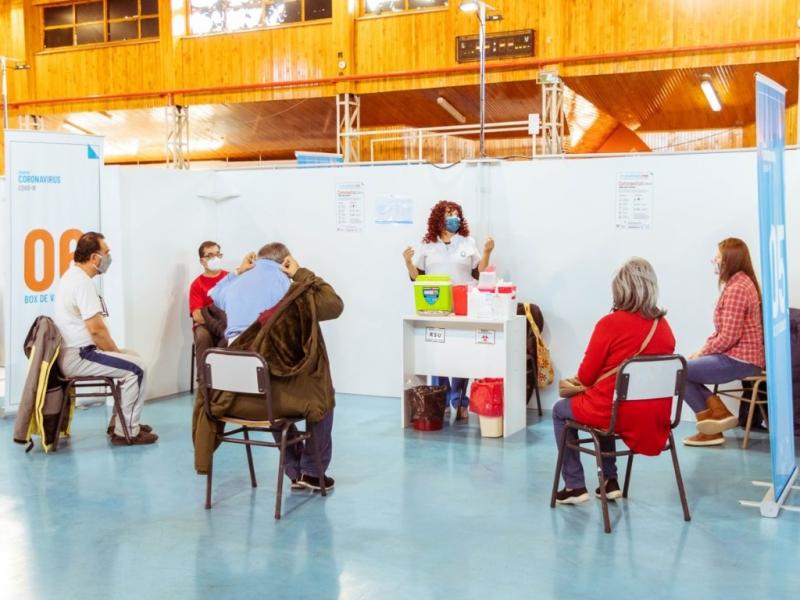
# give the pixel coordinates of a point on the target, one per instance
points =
(452, 224)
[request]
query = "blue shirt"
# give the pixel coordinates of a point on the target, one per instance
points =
(246, 296)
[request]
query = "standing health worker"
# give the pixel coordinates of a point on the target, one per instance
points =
(448, 249)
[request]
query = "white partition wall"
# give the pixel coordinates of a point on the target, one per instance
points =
(298, 207)
(553, 221)
(565, 245)
(162, 220)
(3, 278)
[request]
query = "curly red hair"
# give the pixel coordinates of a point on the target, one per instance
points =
(436, 221)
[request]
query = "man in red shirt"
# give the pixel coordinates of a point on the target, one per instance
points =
(211, 259)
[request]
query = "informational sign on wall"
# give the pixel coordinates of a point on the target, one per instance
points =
(770, 139)
(350, 207)
(634, 200)
(394, 209)
(53, 192)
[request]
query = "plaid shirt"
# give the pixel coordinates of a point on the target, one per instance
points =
(737, 320)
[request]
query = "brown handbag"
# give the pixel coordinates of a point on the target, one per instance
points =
(545, 374)
(571, 386)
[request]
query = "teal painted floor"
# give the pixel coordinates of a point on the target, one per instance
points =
(434, 515)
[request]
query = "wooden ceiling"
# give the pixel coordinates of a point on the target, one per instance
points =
(668, 100)
(508, 101)
(269, 130)
(672, 100)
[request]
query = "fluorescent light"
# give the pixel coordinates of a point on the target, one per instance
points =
(711, 95)
(452, 110)
(206, 144)
(75, 128)
(472, 6)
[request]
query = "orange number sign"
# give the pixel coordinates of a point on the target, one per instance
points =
(43, 237)
(66, 248)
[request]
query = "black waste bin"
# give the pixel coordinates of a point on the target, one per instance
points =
(427, 404)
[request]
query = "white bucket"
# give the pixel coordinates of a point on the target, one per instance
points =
(491, 426)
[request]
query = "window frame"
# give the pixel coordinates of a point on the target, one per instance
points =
(365, 14)
(263, 3)
(106, 22)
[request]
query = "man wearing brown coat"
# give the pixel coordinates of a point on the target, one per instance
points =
(289, 337)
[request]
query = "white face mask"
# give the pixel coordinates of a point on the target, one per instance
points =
(214, 264)
(105, 262)
(716, 266)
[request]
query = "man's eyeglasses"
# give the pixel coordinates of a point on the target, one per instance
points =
(220, 255)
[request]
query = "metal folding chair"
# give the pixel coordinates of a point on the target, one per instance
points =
(758, 397)
(247, 373)
(640, 378)
(191, 370)
(101, 387)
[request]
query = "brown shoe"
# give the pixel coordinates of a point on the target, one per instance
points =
(717, 418)
(701, 439)
(144, 437)
(462, 414)
(142, 427)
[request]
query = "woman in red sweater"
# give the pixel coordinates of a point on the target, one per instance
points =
(733, 351)
(618, 336)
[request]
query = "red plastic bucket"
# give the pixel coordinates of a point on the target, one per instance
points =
(486, 397)
(427, 424)
(460, 300)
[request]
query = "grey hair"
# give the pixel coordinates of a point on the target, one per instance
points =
(635, 289)
(274, 251)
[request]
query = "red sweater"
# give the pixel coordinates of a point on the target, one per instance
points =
(198, 291)
(643, 424)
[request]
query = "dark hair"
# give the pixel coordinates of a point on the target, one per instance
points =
(735, 258)
(274, 251)
(88, 244)
(436, 221)
(207, 244)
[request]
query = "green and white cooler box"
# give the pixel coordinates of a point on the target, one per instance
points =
(433, 294)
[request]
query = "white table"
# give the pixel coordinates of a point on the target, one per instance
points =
(461, 354)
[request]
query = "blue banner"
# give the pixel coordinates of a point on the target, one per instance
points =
(770, 138)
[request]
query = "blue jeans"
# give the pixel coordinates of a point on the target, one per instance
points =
(713, 368)
(571, 468)
(456, 389)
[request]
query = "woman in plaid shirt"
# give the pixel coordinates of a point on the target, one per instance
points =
(734, 350)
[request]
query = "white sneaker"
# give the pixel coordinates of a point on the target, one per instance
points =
(576, 496)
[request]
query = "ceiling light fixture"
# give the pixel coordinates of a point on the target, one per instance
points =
(711, 94)
(452, 110)
(206, 144)
(75, 128)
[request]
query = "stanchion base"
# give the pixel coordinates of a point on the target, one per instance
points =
(769, 507)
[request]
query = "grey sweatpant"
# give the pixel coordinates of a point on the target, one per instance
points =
(129, 368)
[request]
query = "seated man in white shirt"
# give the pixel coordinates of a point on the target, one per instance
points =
(87, 348)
